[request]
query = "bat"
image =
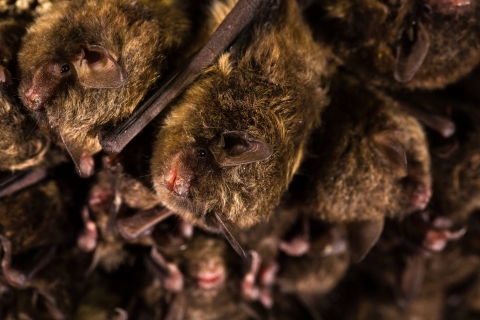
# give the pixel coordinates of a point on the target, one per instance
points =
(22, 145)
(407, 44)
(211, 273)
(114, 141)
(77, 47)
(317, 271)
(220, 170)
(368, 161)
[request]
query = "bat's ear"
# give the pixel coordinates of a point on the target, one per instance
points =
(96, 68)
(85, 165)
(238, 147)
(5, 76)
(391, 151)
(362, 236)
(411, 52)
(410, 279)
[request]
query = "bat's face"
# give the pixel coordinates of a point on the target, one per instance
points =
(221, 152)
(79, 72)
(415, 43)
(206, 262)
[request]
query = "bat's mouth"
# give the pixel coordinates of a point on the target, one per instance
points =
(208, 280)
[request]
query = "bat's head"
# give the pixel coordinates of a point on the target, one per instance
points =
(223, 150)
(87, 64)
(413, 44)
(206, 261)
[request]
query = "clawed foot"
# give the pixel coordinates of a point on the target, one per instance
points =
(168, 273)
(258, 281)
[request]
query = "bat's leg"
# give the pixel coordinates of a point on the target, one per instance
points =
(18, 181)
(168, 273)
(299, 244)
(250, 290)
(439, 233)
(133, 227)
(50, 305)
(87, 240)
(441, 125)
(15, 277)
(267, 277)
(427, 233)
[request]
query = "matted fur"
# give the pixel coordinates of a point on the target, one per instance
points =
(274, 92)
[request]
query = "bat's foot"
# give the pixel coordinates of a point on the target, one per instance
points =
(296, 247)
(266, 275)
(15, 277)
(420, 197)
(169, 274)
(439, 234)
(87, 240)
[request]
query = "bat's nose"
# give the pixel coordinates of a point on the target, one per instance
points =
(34, 100)
(178, 182)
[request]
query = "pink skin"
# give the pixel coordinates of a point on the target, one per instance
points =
(178, 176)
(87, 240)
(210, 279)
(450, 7)
(265, 274)
(420, 197)
(87, 166)
(45, 83)
(173, 277)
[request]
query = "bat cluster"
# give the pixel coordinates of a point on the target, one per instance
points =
(239, 159)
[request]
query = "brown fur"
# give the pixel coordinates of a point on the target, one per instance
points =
(37, 216)
(346, 178)
(21, 144)
(274, 92)
(209, 254)
(145, 38)
(315, 273)
(363, 35)
(456, 177)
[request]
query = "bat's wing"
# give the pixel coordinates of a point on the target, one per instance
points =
(113, 141)
(11, 182)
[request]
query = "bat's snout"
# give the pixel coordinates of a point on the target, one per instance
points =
(178, 181)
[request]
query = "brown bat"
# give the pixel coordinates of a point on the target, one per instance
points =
(455, 160)
(319, 270)
(35, 221)
(368, 161)
(86, 64)
(21, 144)
(253, 112)
(210, 270)
(401, 44)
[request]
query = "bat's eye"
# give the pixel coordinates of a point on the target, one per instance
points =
(65, 68)
(427, 9)
(202, 153)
